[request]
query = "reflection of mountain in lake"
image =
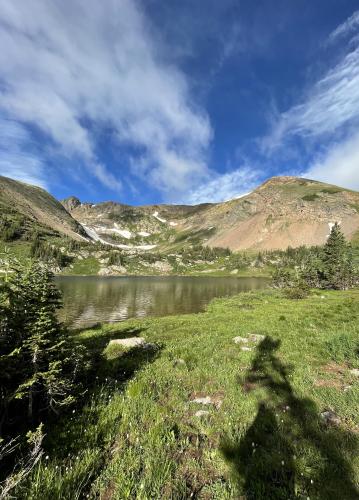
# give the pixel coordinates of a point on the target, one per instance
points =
(91, 299)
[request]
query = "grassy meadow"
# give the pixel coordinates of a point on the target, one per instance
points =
(263, 433)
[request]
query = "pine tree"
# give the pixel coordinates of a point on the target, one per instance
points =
(338, 269)
(38, 361)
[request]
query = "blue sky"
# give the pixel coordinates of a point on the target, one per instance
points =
(179, 100)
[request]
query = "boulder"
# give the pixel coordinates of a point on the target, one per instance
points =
(330, 418)
(254, 337)
(240, 340)
(201, 413)
(207, 400)
(130, 342)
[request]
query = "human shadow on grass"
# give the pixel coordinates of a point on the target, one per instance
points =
(289, 452)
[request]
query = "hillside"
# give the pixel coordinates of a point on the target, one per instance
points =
(282, 212)
(28, 209)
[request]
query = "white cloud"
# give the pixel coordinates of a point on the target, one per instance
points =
(331, 103)
(351, 24)
(16, 159)
(339, 165)
(224, 187)
(327, 118)
(71, 68)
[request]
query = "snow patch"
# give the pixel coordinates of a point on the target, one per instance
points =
(155, 214)
(94, 236)
(122, 232)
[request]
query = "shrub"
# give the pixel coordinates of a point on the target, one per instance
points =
(310, 197)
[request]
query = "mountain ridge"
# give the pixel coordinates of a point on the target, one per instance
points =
(283, 211)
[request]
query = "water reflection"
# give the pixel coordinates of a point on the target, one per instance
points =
(91, 299)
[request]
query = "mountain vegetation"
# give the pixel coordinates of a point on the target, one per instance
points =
(250, 234)
(255, 397)
(39, 363)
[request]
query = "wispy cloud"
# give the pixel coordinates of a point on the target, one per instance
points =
(326, 119)
(346, 28)
(331, 103)
(16, 159)
(225, 187)
(71, 68)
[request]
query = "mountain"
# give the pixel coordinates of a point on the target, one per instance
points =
(30, 209)
(282, 212)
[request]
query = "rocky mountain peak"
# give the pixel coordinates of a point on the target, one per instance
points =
(71, 203)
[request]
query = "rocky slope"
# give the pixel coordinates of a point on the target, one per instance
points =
(282, 212)
(36, 208)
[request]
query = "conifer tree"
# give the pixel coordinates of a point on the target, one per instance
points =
(338, 269)
(38, 362)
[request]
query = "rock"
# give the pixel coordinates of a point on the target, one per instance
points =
(244, 348)
(240, 340)
(254, 337)
(130, 342)
(179, 361)
(150, 346)
(355, 372)
(235, 271)
(111, 270)
(201, 413)
(163, 267)
(207, 400)
(330, 418)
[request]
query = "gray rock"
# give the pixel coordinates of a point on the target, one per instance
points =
(130, 342)
(201, 413)
(254, 337)
(207, 400)
(244, 348)
(179, 361)
(330, 418)
(240, 340)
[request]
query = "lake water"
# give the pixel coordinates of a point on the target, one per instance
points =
(91, 299)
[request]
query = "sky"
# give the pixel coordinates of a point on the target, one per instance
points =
(177, 101)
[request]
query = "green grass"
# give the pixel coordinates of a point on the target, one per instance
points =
(20, 250)
(137, 435)
(86, 266)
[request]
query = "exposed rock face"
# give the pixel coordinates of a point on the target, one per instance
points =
(71, 203)
(282, 212)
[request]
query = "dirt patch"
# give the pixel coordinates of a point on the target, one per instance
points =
(332, 367)
(337, 384)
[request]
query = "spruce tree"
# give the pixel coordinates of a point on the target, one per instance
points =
(38, 361)
(338, 269)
